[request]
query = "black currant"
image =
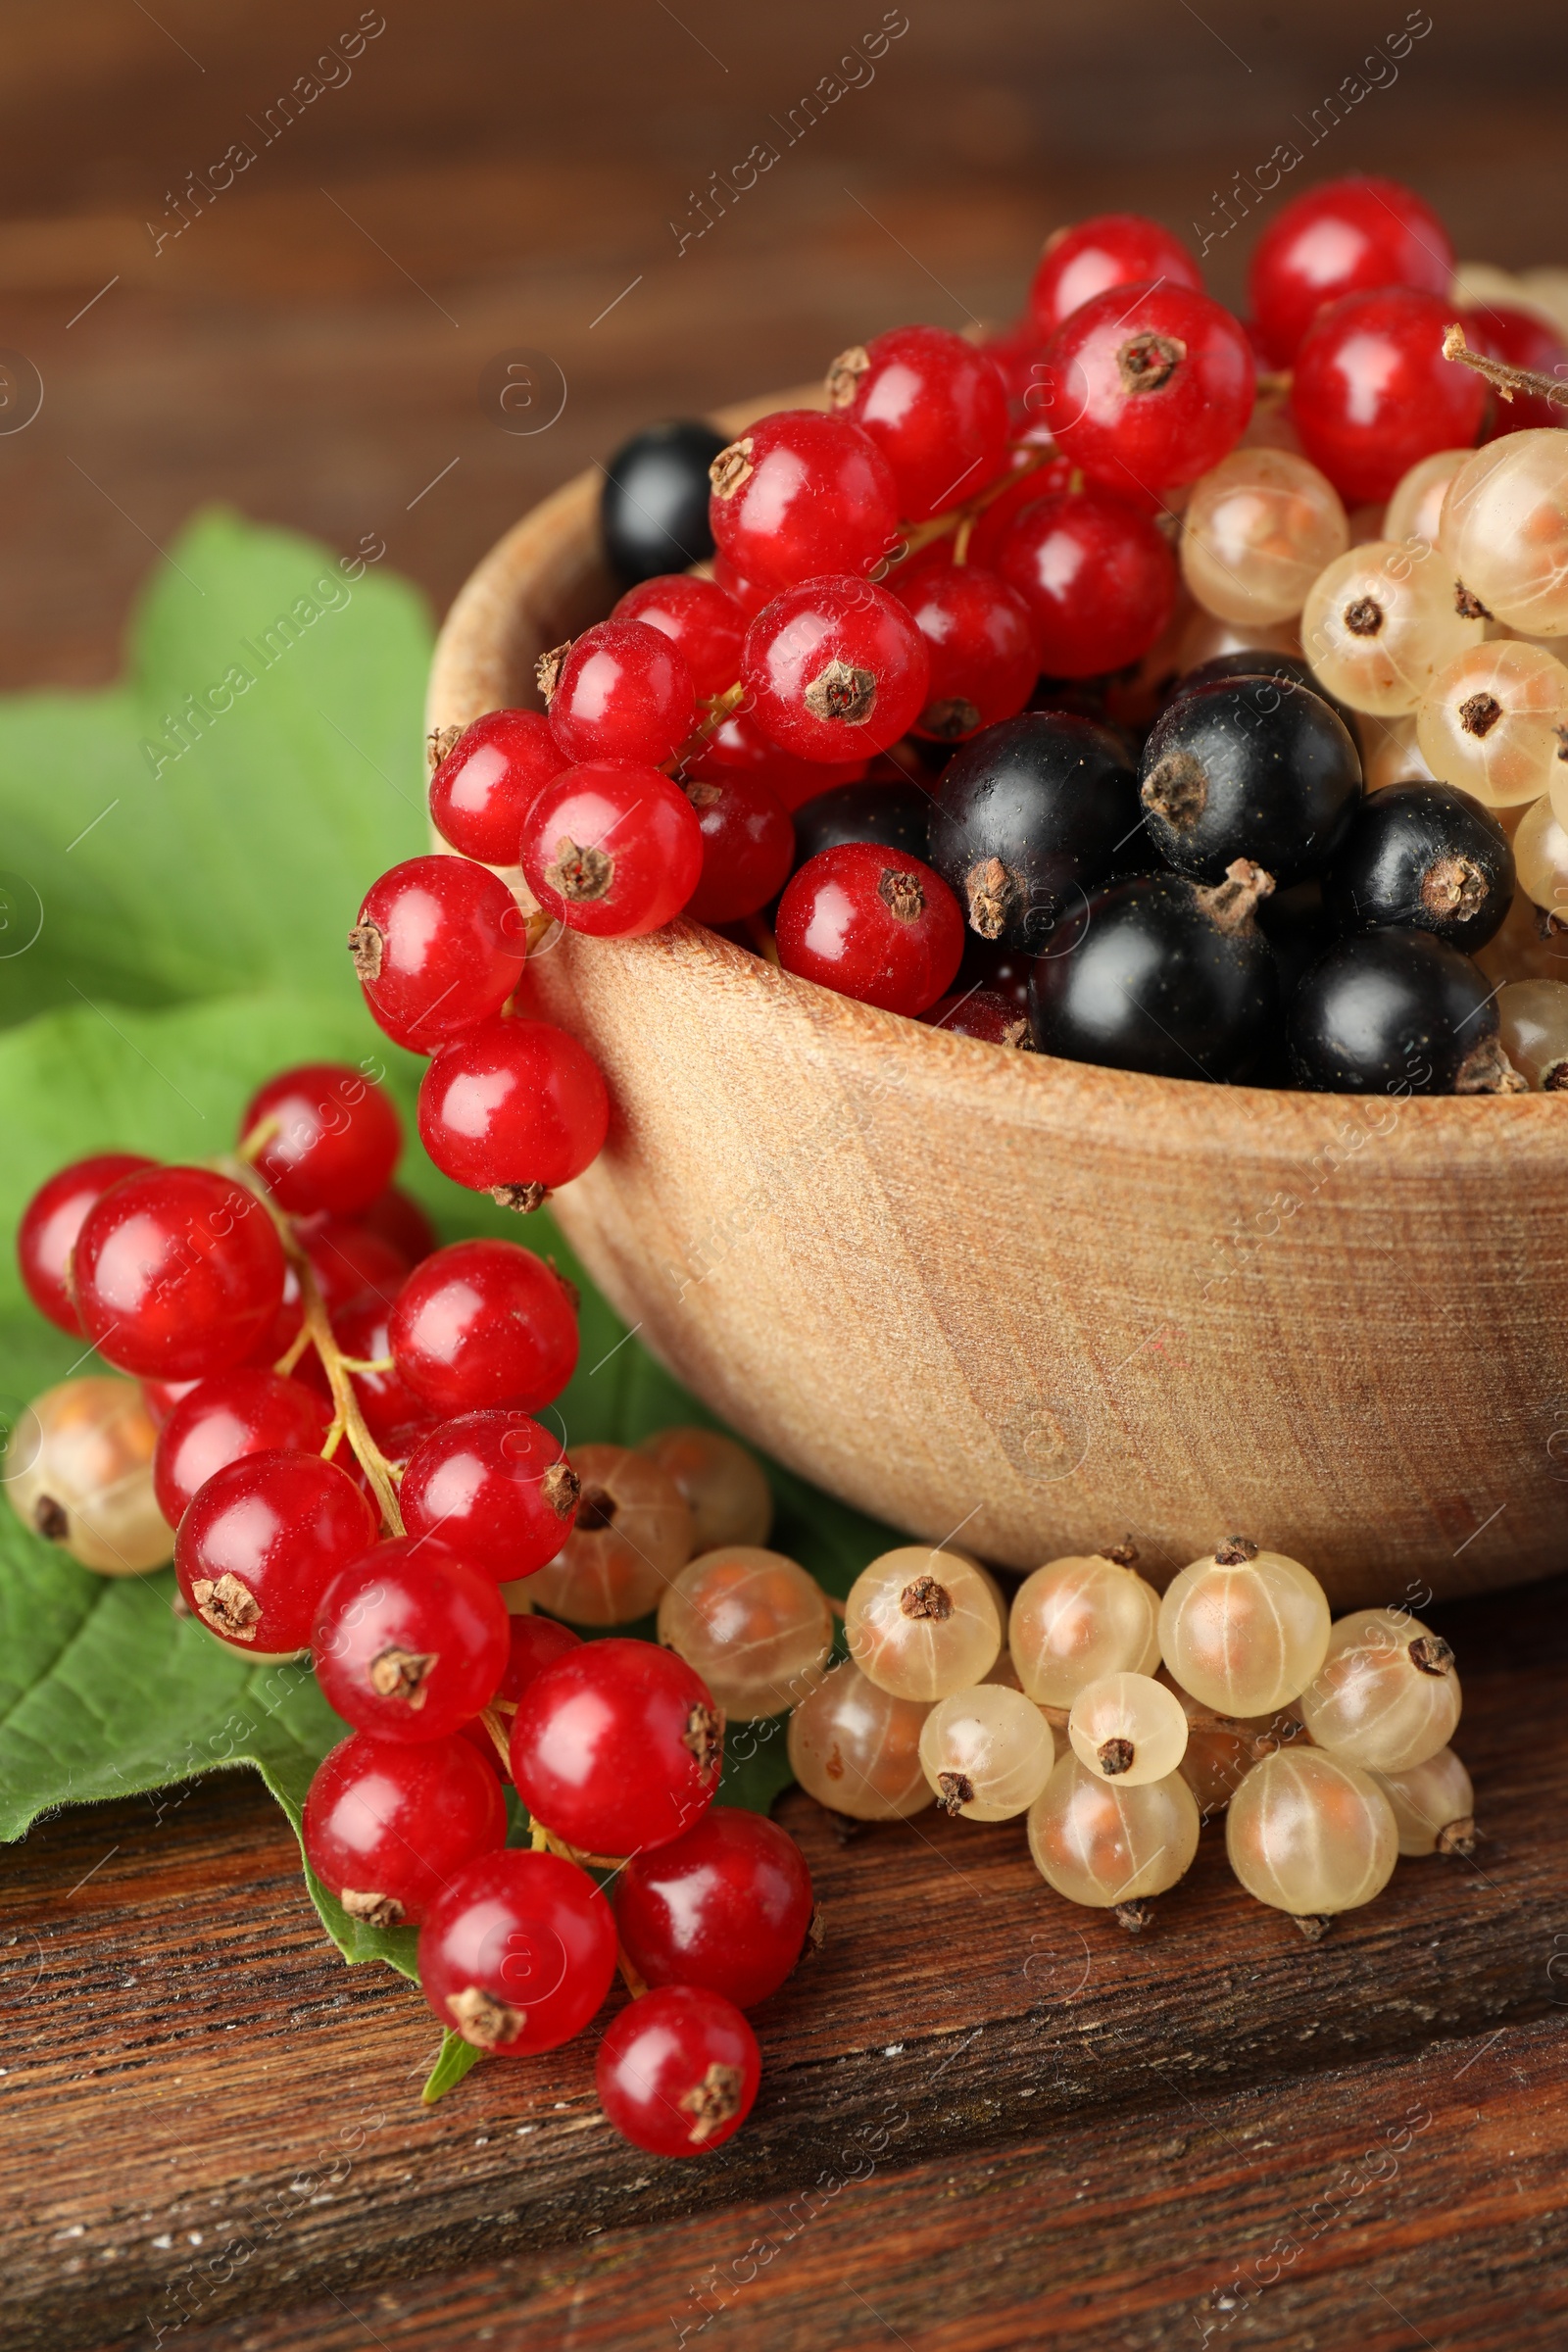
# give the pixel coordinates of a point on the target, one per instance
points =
(1163, 974)
(1255, 663)
(653, 509)
(894, 815)
(1030, 815)
(1297, 929)
(1397, 1011)
(1423, 858)
(1249, 767)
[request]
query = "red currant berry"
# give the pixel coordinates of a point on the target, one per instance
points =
(518, 1952)
(481, 792)
(51, 1222)
(1525, 340)
(388, 1826)
(985, 1013)
(496, 1487)
(934, 405)
(337, 1140)
(622, 691)
(836, 669)
(677, 2070)
(980, 640)
(224, 1419)
(1113, 249)
(748, 596)
(1096, 577)
(725, 1907)
(798, 495)
(408, 1640)
(1027, 484)
(1146, 387)
(1372, 391)
(618, 1746)
(161, 1397)
(177, 1272)
(699, 618)
(484, 1323)
(347, 1257)
(741, 744)
(612, 847)
(395, 1216)
(872, 923)
(439, 944)
(536, 1643)
(748, 845)
(1344, 237)
(513, 1108)
(261, 1542)
(1013, 354)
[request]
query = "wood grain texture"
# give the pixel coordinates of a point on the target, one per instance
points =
(207, 2114)
(1036, 1300)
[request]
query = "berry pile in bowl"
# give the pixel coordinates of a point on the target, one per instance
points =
(1139, 686)
(330, 1422)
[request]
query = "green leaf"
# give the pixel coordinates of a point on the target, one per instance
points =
(454, 2058)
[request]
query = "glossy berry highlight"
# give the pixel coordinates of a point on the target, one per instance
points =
(484, 787)
(616, 1747)
(51, 1222)
(484, 1323)
(873, 924)
(261, 1542)
(677, 2072)
(725, 1907)
(177, 1272)
(800, 495)
(516, 1954)
(612, 849)
(335, 1140)
(439, 944)
(513, 1108)
(408, 1640)
(387, 1825)
(496, 1487)
(621, 691)
(836, 669)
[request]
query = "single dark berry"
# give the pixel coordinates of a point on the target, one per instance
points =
(1423, 858)
(654, 507)
(1297, 929)
(1396, 1011)
(895, 816)
(1249, 767)
(1254, 662)
(1162, 974)
(1028, 818)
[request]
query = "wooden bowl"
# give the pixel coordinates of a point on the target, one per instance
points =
(1031, 1304)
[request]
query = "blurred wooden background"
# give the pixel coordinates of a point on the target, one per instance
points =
(495, 174)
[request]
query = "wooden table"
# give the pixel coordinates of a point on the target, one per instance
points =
(987, 2120)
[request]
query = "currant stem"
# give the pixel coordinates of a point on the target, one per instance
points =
(716, 711)
(252, 1146)
(1501, 374)
(503, 1746)
(962, 517)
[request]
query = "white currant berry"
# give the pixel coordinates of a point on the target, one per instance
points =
(1243, 1630)
(1311, 1835)
(1077, 1619)
(1128, 1728)
(987, 1752)
(1386, 1695)
(857, 1748)
(923, 1624)
(754, 1624)
(79, 1471)
(1434, 1805)
(1101, 1843)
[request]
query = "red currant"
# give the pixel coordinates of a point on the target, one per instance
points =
(536, 1643)
(748, 845)
(1099, 579)
(409, 1639)
(1013, 352)
(622, 691)
(518, 1952)
(724, 1907)
(513, 1108)
(1146, 387)
(873, 923)
(836, 669)
(699, 618)
(1113, 249)
(51, 1222)
(224, 1419)
(1028, 483)
(934, 405)
(397, 1218)
(677, 2070)
(177, 1272)
(336, 1143)
(612, 847)
(484, 1323)
(162, 1395)
(438, 945)
(388, 1826)
(262, 1541)
(980, 640)
(480, 793)
(618, 1746)
(741, 744)
(1372, 391)
(798, 495)
(496, 1487)
(347, 1257)
(1525, 340)
(982, 1012)
(1344, 237)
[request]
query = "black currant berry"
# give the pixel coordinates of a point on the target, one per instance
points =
(1163, 974)
(654, 507)
(1297, 929)
(1423, 858)
(1249, 767)
(894, 815)
(1255, 663)
(1397, 1011)
(1029, 815)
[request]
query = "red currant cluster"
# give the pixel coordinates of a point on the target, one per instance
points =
(290, 1298)
(1009, 687)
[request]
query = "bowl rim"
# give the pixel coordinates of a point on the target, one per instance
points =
(471, 652)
